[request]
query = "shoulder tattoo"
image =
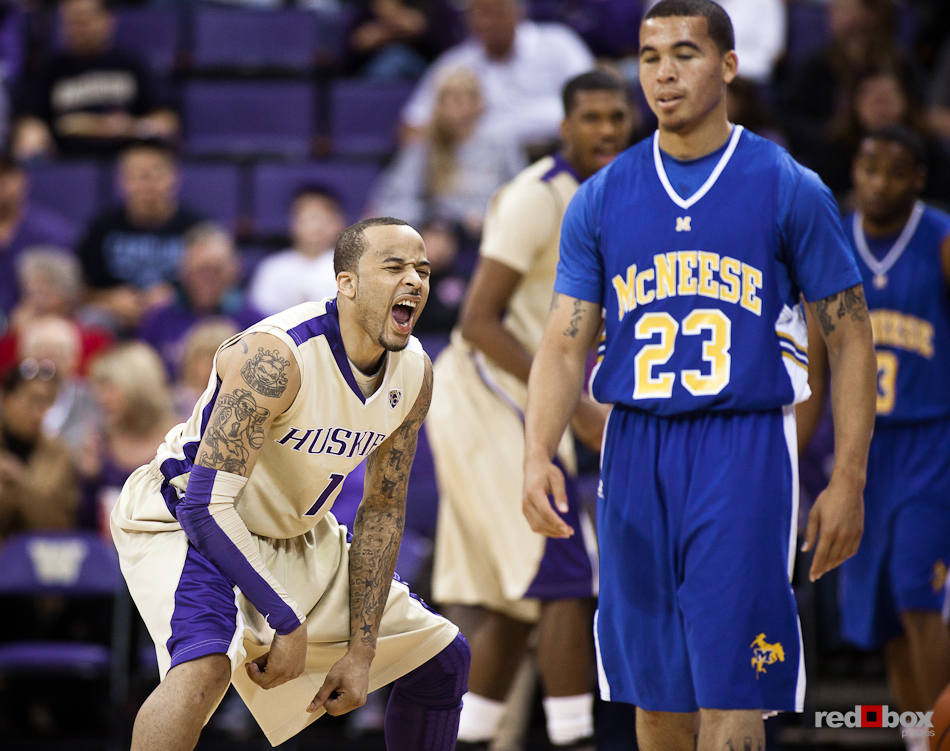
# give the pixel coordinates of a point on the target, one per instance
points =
(266, 372)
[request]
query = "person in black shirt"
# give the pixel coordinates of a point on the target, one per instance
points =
(89, 99)
(130, 253)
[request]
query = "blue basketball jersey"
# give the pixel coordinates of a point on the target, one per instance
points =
(909, 303)
(701, 294)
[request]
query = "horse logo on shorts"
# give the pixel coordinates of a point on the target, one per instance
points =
(394, 396)
(764, 654)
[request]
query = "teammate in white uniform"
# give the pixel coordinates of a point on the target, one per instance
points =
(485, 552)
(226, 537)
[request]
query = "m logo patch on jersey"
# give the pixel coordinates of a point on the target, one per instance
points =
(394, 397)
(764, 654)
(682, 224)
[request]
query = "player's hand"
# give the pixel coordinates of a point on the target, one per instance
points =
(284, 662)
(836, 521)
(345, 686)
(588, 422)
(541, 480)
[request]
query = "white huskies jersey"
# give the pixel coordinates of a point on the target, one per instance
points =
(309, 450)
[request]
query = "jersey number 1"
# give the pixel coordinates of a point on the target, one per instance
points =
(335, 479)
(715, 352)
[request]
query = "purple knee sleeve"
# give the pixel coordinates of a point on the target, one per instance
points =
(424, 706)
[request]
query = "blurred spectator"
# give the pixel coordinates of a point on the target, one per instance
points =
(305, 270)
(207, 288)
(880, 98)
(521, 66)
(450, 174)
(399, 38)
(38, 486)
(22, 225)
(89, 99)
(74, 416)
(50, 283)
(760, 34)
(197, 359)
(133, 395)
(818, 92)
(130, 253)
(747, 106)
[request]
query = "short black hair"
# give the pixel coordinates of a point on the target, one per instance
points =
(717, 20)
(351, 244)
(316, 190)
(903, 136)
(594, 80)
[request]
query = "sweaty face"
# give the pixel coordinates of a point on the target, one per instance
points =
(887, 180)
(392, 284)
(596, 130)
(682, 71)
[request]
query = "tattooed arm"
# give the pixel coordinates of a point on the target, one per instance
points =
(377, 533)
(259, 379)
(836, 520)
(557, 378)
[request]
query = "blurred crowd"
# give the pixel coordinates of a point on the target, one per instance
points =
(108, 325)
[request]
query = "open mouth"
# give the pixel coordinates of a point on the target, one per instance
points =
(402, 314)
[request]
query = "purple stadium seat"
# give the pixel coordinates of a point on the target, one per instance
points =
(241, 38)
(68, 565)
(213, 190)
(152, 33)
(249, 118)
(364, 115)
(71, 189)
(274, 185)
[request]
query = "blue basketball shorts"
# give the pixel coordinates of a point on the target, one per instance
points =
(902, 562)
(696, 529)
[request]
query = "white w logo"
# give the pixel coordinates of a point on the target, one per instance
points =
(682, 223)
(57, 562)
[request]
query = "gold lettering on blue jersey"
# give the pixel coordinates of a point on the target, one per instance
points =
(729, 270)
(682, 224)
(689, 272)
(891, 328)
(708, 263)
(687, 282)
(665, 265)
(626, 291)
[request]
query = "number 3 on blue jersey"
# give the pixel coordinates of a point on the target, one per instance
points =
(701, 321)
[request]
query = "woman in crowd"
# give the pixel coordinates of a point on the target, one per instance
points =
(38, 485)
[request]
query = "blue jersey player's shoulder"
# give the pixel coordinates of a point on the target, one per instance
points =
(939, 220)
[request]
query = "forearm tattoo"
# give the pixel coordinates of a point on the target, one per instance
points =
(833, 308)
(266, 373)
(379, 523)
(234, 429)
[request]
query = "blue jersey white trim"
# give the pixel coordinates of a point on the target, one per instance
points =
(685, 203)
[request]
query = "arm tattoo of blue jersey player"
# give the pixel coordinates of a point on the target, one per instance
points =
(849, 302)
(573, 328)
(379, 523)
(266, 373)
(234, 429)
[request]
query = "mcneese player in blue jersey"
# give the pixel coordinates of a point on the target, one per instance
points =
(891, 591)
(226, 539)
(698, 244)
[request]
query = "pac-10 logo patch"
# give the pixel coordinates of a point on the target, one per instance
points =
(394, 396)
